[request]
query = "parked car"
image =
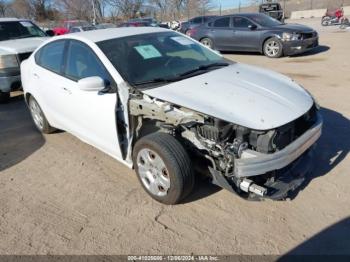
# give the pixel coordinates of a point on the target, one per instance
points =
(67, 25)
(256, 33)
(149, 20)
(185, 27)
(160, 102)
(77, 29)
(274, 10)
(135, 24)
(105, 26)
(18, 39)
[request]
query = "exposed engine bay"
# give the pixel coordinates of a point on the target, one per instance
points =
(220, 145)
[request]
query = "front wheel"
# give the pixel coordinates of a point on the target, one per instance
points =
(163, 167)
(4, 97)
(326, 21)
(207, 42)
(273, 48)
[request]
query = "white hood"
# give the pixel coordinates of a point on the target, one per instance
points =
(245, 95)
(19, 46)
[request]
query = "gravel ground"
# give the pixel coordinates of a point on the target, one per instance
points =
(61, 196)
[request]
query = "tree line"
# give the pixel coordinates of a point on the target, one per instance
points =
(103, 10)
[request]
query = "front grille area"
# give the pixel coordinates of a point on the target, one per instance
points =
(290, 132)
(23, 56)
(309, 35)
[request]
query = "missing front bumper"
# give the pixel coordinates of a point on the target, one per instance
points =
(285, 181)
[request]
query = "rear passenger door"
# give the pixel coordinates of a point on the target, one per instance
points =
(221, 32)
(47, 78)
(245, 38)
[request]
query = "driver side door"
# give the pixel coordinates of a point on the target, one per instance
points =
(245, 38)
(92, 113)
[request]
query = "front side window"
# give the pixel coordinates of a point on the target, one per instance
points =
(50, 56)
(241, 22)
(82, 63)
(19, 29)
(222, 22)
(154, 56)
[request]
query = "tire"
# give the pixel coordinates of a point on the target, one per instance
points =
(207, 42)
(38, 117)
(326, 21)
(4, 97)
(273, 48)
(163, 168)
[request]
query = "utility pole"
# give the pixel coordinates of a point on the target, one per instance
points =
(239, 6)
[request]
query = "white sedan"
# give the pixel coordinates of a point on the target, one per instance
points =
(167, 106)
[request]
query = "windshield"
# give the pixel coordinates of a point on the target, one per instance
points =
(151, 58)
(264, 20)
(19, 29)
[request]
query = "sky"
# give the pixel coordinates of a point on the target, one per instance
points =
(228, 3)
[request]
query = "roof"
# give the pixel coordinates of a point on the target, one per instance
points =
(111, 33)
(11, 19)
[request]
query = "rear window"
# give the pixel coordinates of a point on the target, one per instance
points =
(222, 22)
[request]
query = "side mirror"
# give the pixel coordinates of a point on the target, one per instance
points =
(91, 84)
(50, 33)
(252, 27)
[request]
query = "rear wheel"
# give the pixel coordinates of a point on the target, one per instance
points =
(273, 48)
(39, 118)
(207, 42)
(4, 97)
(163, 167)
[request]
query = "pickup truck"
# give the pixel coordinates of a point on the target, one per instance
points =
(18, 39)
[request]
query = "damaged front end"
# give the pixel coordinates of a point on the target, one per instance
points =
(254, 164)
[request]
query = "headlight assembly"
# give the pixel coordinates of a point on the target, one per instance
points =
(291, 36)
(8, 61)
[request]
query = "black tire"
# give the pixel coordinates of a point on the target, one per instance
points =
(207, 42)
(326, 21)
(269, 48)
(177, 163)
(4, 97)
(44, 126)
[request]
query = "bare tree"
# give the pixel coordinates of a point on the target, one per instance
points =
(127, 8)
(3, 7)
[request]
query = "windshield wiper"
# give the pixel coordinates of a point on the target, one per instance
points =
(155, 81)
(203, 68)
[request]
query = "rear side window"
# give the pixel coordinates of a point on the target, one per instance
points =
(51, 56)
(222, 22)
(197, 20)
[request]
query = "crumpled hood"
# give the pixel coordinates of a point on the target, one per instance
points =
(18, 46)
(245, 95)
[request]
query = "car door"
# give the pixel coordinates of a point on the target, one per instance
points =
(220, 31)
(246, 34)
(47, 79)
(92, 114)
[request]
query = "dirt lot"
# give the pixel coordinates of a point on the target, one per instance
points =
(61, 196)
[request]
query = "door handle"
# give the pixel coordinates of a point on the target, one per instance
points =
(36, 75)
(66, 90)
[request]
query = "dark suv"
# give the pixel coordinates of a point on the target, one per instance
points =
(194, 22)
